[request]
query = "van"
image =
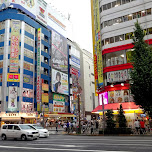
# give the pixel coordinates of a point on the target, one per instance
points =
(18, 131)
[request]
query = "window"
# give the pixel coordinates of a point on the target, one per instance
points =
(150, 30)
(116, 38)
(108, 5)
(139, 14)
(121, 37)
(127, 1)
(16, 128)
(104, 7)
(123, 1)
(134, 15)
(10, 126)
(106, 41)
(143, 13)
(125, 18)
(129, 17)
(114, 4)
(148, 11)
(111, 39)
(5, 127)
(118, 2)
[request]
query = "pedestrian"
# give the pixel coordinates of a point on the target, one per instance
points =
(56, 123)
(91, 127)
(137, 126)
(142, 126)
(68, 127)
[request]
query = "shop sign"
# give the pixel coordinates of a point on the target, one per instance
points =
(13, 77)
(41, 13)
(0, 77)
(12, 114)
(58, 106)
(104, 97)
(75, 61)
(58, 97)
(45, 97)
(27, 79)
(15, 39)
(73, 71)
(39, 66)
(45, 87)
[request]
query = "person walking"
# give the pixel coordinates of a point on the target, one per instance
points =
(142, 126)
(56, 124)
(137, 126)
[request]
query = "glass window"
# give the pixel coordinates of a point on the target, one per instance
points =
(104, 7)
(127, 1)
(127, 37)
(139, 14)
(112, 40)
(10, 126)
(16, 128)
(134, 15)
(150, 30)
(110, 23)
(5, 127)
(123, 1)
(148, 11)
(114, 4)
(102, 42)
(121, 37)
(106, 41)
(118, 2)
(101, 26)
(129, 17)
(125, 18)
(108, 5)
(105, 23)
(116, 38)
(100, 9)
(145, 32)
(143, 13)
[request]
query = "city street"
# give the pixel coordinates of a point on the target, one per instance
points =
(68, 143)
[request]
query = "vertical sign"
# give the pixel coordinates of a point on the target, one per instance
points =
(96, 20)
(38, 97)
(15, 38)
(94, 50)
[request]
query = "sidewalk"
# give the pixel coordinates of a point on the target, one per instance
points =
(52, 130)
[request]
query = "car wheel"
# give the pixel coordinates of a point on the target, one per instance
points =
(23, 137)
(3, 137)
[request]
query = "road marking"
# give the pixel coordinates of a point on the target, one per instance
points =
(55, 149)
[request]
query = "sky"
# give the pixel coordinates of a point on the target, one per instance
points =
(80, 16)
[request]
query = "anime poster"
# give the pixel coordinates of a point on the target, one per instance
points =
(12, 99)
(111, 97)
(59, 53)
(118, 96)
(126, 95)
(59, 82)
(27, 93)
(27, 107)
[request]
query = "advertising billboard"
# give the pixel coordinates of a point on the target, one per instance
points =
(59, 53)
(15, 40)
(94, 49)
(45, 87)
(59, 82)
(27, 79)
(13, 77)
(27, 107)
(41, 11)
(12, 99)
(45, 97)
(38, 93)
(58, 103)
(104, 97)
(75, 61)
(27, 93)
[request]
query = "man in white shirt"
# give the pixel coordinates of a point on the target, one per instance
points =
(137, 125)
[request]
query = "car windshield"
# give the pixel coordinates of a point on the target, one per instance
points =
(24, 127)
(38, 127)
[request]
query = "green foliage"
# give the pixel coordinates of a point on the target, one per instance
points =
(121, 118)
(141, 75)
(109, 120)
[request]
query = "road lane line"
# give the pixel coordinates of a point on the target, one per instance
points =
(55, 149)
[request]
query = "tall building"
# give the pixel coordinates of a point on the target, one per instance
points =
(88, 99)
(34, 73)
(113, 26)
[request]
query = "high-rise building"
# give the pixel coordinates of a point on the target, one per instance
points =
(113, 26)
(34, 74)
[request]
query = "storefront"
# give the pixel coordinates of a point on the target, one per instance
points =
(131, 111)
(16, 118)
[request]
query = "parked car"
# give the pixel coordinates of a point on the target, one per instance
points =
(18, 131)
(42, 131)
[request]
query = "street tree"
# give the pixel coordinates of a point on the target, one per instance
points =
(141, 74)
(109, 120)
(121, 118)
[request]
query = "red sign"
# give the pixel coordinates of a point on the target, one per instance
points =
(73, 71)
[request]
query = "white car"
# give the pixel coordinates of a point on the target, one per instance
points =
(18, 131)
(42, 131)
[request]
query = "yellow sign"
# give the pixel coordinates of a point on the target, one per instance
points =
(94, 50)
(13, 77)
(45, 97)
(97, 40)
(45, 87)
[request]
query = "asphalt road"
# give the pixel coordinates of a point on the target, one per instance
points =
(69, 143)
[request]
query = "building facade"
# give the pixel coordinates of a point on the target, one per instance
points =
(88, 99)
(115, 20)
(34, 74)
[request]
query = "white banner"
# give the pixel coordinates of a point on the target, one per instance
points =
(58, 106)
(12, 99)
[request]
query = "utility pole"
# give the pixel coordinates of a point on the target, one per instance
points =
(103, 114)
(79, 114)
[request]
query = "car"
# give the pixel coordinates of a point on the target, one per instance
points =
(18, 131)
(42, 131)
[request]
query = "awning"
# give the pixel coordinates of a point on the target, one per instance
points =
(11, 118)
(59, 115)
(127, 106)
